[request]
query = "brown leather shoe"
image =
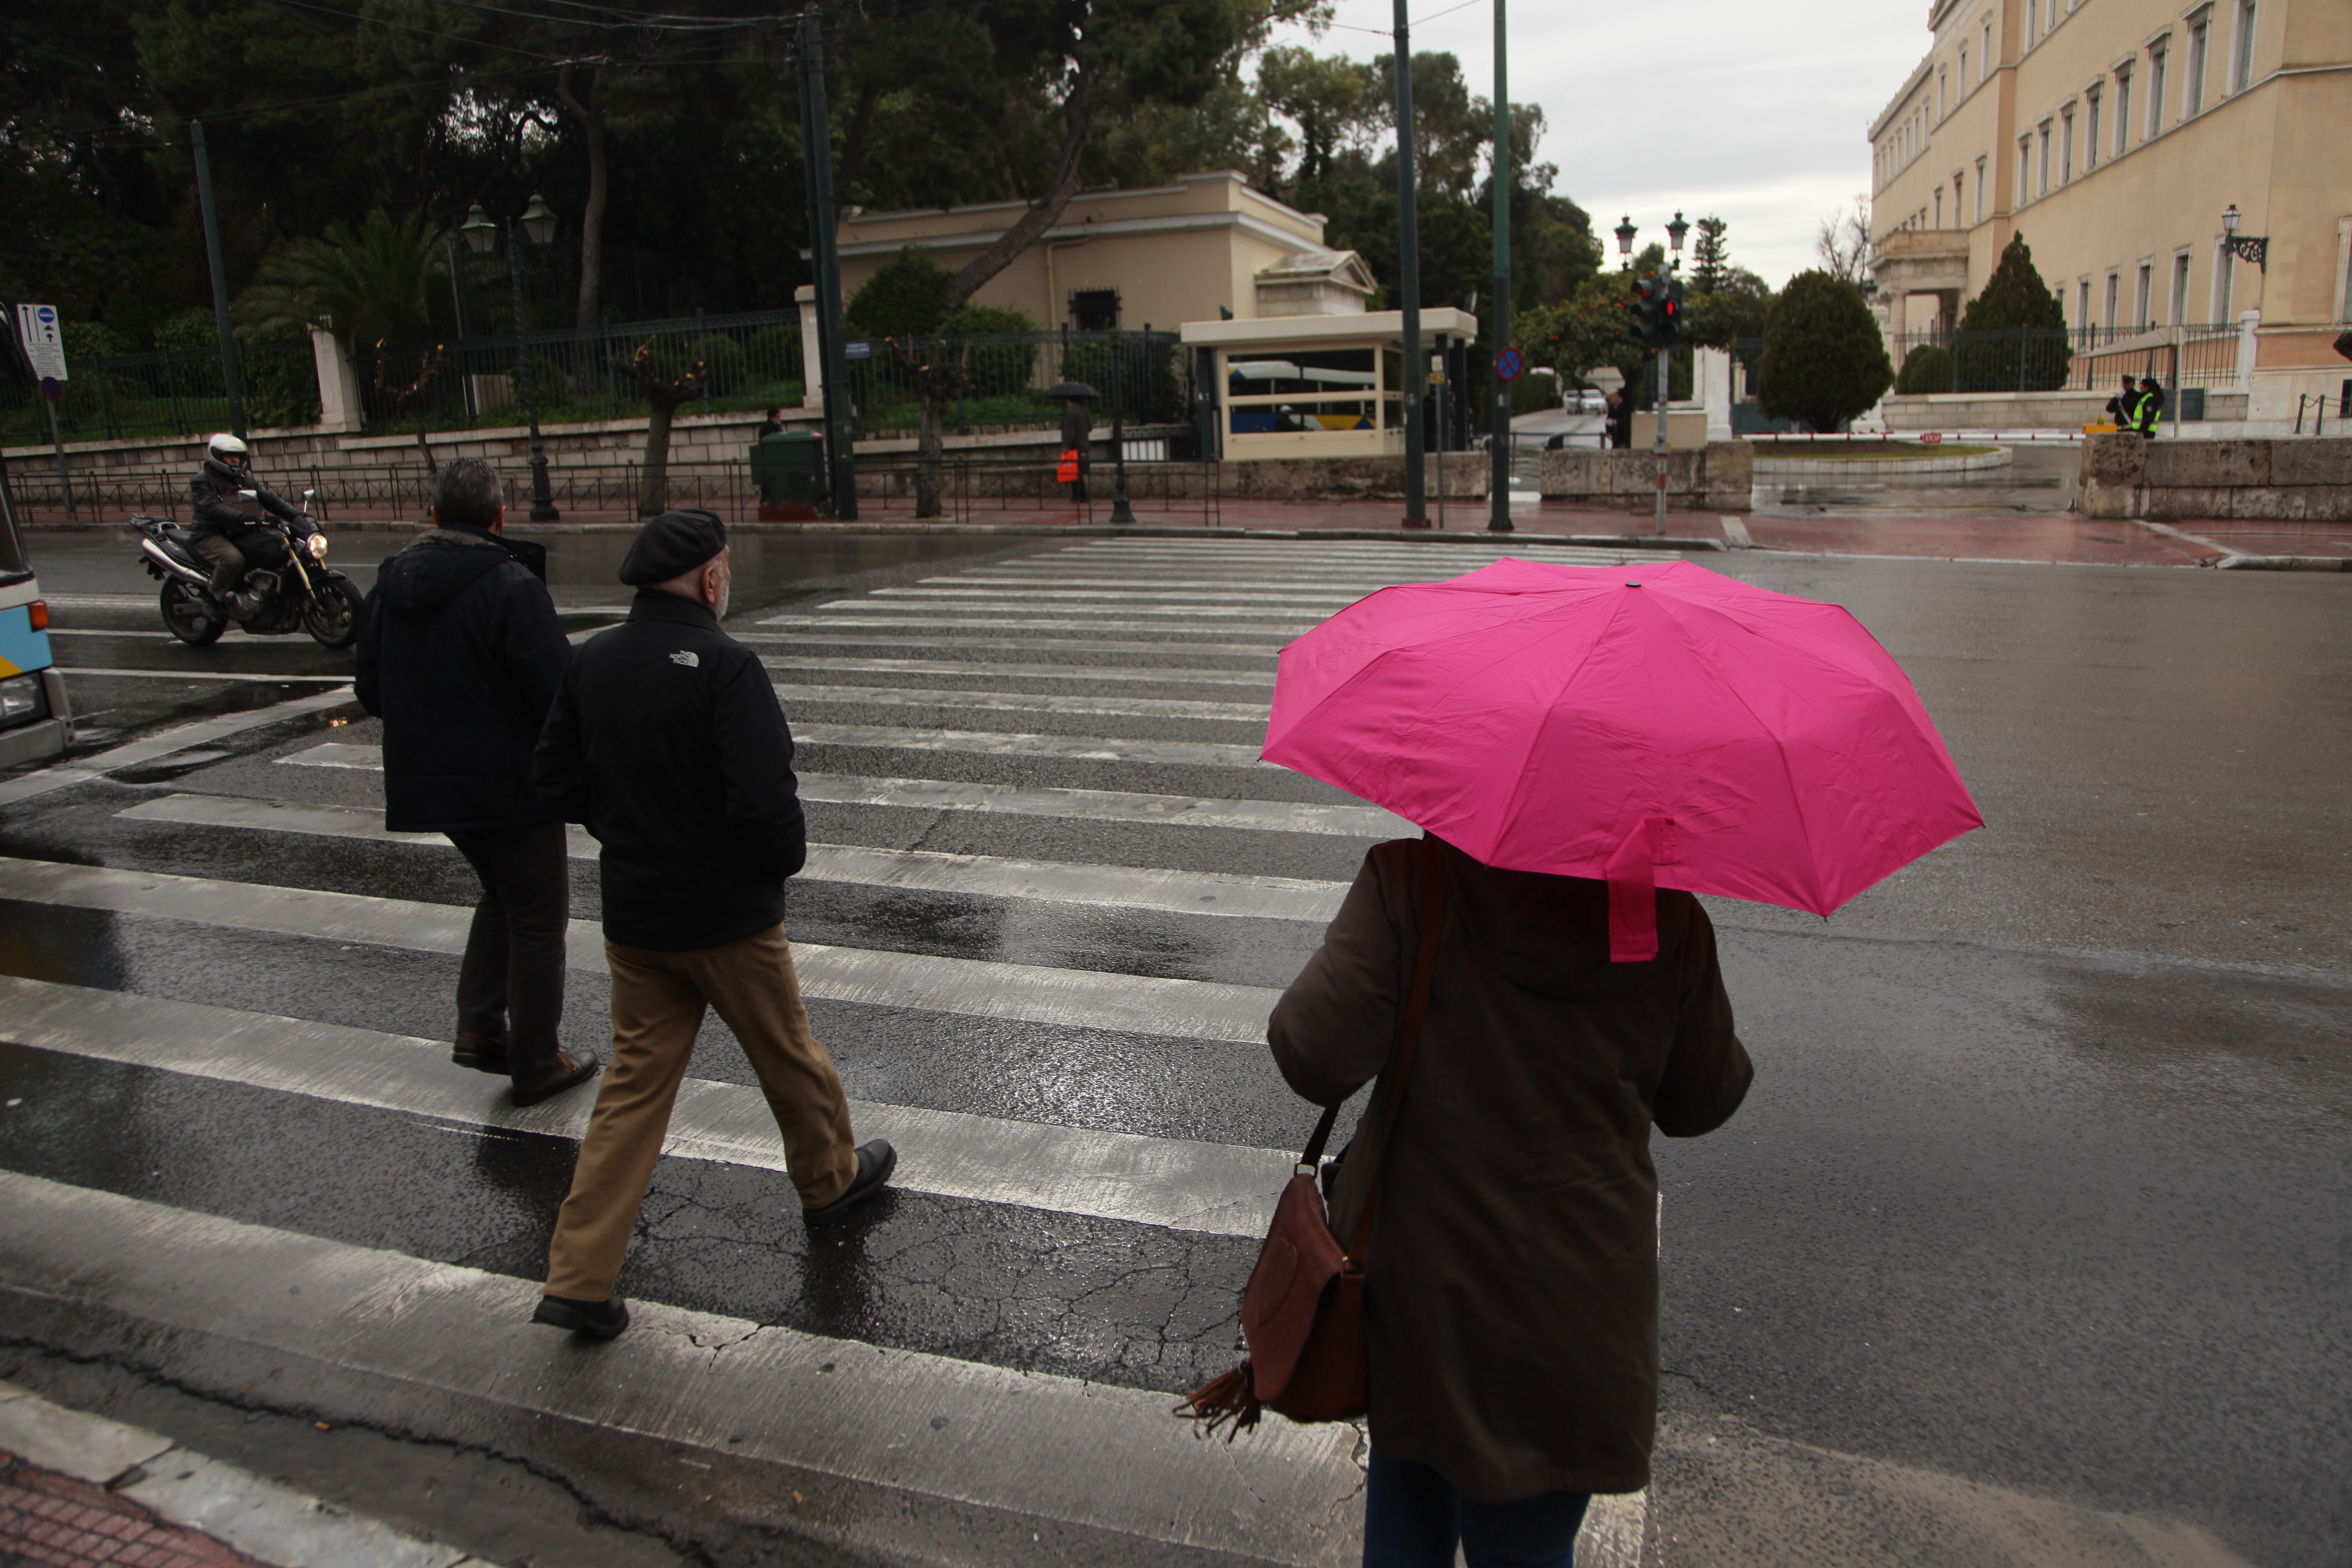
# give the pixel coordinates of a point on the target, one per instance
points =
(569, 1070)
(483, 1053)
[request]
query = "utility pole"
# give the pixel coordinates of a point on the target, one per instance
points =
(232, 381)
(1498, 474)
(1416, 503)
(817, 143)
(1659, 447)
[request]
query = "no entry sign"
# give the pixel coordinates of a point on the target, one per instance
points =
(1508, 365)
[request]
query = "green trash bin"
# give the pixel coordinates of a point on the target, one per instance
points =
(788, 470)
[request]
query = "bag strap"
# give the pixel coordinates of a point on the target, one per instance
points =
(1408, 1041)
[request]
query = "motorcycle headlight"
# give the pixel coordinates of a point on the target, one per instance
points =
(316, 545)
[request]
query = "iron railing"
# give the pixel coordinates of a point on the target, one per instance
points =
(168, 392)
(2070, 359)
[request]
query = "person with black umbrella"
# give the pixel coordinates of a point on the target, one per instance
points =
(1078, 434)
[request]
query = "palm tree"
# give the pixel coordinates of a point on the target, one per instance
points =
(371, 287)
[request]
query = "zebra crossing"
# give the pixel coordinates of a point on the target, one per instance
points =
(1052, 893)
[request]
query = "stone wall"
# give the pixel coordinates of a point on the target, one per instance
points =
(2288, 478)
(1714, 478)
(2026, 410)
(1350, 478)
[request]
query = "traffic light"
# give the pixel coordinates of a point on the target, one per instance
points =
(1670, 313)
(1649, 302)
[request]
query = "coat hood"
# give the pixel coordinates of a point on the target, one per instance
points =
(1549, 934)
(439, 567)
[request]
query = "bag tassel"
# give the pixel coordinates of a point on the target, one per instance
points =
(1223, 1399)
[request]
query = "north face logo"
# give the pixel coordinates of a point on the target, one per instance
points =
(685, 658)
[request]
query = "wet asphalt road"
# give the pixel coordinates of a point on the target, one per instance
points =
(2041, 1194)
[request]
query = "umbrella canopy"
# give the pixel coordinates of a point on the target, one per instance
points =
(1071, 389)
(1637, 723)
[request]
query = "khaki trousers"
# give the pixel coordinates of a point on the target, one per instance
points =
(659, 999)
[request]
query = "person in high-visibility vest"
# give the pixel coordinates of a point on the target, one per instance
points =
(2151, 409)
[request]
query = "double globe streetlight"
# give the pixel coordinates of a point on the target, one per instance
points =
(1675, 233)
(536, 226)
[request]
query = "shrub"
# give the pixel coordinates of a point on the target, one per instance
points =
(1823, 361)
(905, 298)
(1927, 369)
(2015, 301)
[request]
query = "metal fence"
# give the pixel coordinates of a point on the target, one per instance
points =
(2070, 359)
(1145, 376)
(168, 392)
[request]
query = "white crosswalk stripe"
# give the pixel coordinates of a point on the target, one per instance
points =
(1175, 640)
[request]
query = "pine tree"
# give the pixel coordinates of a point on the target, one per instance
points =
(1823, 361)
(1711, 257)
(2015, 303)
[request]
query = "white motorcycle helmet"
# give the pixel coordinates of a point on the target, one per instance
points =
(228, 458)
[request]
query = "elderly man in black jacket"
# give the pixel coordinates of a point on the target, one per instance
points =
(667, 742)
(459, 654)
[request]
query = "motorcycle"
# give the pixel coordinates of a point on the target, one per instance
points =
(292, 586)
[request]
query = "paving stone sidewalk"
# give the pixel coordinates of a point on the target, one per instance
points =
(51, 1519)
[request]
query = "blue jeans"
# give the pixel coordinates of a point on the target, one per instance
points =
(1413, 1518)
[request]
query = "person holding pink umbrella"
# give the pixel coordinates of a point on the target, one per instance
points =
(1588, 748)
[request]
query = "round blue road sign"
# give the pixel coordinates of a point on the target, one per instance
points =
(49, 388)
(1508, 365)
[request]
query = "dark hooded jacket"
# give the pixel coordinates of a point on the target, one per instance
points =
(1511, 1294)
(216, 503)
(459, 654)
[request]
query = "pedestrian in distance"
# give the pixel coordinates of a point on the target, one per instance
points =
(1518, 1157)
(2122, 408)
(667, 743)
(1617, 424)
(459, 654)
(2151, 406)
(771, 424)
(1077, 441)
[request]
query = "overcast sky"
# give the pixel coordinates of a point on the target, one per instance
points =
(1758, 116)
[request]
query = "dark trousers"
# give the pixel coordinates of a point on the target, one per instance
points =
(512, 980)
(227, 562)
(1413, 1519)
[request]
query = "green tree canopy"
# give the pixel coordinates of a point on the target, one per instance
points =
(369, 285)
(2014, 296)
(1823, 361)
(2015, 299)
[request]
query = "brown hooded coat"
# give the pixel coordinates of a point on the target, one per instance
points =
(1511, 1300)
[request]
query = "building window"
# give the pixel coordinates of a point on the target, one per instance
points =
(2123, 108)
(1981, 190)
(1985, 54)
(1959, 207)
(2066, 147)
(1094, 310)
(2115, 300)
(1943, 101)
(2155, 63)
(2141, 303)
(2041, 171)
(2241, 68)
(2222, 279)
(1964, 71)
(2179, 289)
(2192, 91)
(2024, 170)
(2083, 303)
(2090, 130)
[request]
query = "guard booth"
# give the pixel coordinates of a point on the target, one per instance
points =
(788, 470)
(1320, 386)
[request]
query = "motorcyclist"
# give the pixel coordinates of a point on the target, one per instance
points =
(222, 497)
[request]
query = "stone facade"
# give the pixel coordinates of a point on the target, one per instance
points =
(1717, 477)
(2174, 481)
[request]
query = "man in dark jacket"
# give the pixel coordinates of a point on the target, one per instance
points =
(667, 742)
(459, 654)
(1617, 424)
(226, 503)
(2122, 408)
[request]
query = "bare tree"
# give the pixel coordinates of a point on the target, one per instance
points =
(664, 393)
(938, 367)
(1843, 241)
(408, 398)
(589, 107)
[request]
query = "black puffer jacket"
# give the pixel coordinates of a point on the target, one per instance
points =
(667, 742)
(460, 653)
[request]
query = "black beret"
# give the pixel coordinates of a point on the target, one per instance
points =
(671, 544)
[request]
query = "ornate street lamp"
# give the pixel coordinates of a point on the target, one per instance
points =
(536, 226)
(2254, 247)
(1675, 231)
(1626, 232)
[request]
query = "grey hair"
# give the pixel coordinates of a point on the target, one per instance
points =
(466, 494)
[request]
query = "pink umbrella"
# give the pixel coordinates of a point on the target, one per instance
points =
(1654, 725)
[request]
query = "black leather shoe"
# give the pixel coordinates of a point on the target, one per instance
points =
(876, 1161)
(567, 1071)
(483, 1053)
(595, 1320)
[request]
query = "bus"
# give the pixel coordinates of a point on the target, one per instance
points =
(35, 720)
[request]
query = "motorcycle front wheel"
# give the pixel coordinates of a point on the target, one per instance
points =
(332, 615)
(190, 616)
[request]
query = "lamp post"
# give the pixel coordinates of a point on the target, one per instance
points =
(1625, 231)
(2254, 247)
(537, 225)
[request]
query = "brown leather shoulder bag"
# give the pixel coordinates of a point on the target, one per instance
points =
(1303, 1309)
